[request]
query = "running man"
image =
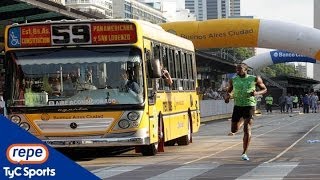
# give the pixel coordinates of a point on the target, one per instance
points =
(244, 92)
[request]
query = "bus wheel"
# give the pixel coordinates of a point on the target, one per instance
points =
(149, 150)
(152, 149)
(186, 139)
(170, 143)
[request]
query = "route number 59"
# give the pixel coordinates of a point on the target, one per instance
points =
(69, 34)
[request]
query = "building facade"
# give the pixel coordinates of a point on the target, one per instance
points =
(234, 8)
(156, 4)
(213, 9)
(197, 7)
(302, 68)
(172, 10)
(132, 9)
(103, 7)
(183, 15)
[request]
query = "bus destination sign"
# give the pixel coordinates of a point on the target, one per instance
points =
(35, 36)
(110, 33)
(71, 34)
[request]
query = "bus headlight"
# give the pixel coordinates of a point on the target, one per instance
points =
(25, 126)
(133, 116)
(123, 123)
(16, 119)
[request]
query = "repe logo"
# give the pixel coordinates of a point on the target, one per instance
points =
(27, 153)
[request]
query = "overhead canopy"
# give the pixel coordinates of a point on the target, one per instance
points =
(293, 81)
(38, 10)
(214, 63)
(19, 11)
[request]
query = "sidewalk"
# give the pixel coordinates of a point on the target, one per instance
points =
(215, 117)
(277, 111)
(257, 113)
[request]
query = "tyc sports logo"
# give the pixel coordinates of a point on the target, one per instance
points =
(27, 154)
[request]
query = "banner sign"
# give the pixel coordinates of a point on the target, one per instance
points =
(47, 35)
(284, 56)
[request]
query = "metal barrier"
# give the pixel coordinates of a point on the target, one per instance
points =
(215, 109)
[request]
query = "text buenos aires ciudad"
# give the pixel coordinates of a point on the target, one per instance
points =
(219, 34)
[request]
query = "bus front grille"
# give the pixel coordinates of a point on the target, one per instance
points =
(74, 125)
(73, 137)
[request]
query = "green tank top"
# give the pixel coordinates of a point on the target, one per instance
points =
(269, 100)
(242, 87)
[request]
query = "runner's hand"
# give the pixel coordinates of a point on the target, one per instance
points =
(253, 93)
(226, 97)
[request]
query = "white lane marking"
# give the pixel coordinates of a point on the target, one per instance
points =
(204, 157)
(292, 145)
(100, 169)
(113, 171)
(185, 172)
(270, 171)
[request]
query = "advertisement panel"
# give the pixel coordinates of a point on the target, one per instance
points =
(217, 33)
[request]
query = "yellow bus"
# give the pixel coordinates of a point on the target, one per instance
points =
(64, 84)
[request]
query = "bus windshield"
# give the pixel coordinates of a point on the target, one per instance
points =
(63, 77)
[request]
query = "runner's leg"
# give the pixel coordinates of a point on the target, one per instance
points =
(247, 134)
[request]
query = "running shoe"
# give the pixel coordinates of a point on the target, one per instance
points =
(231, 134)
(245, 157)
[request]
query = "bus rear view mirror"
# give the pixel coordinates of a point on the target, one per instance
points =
(154, 68)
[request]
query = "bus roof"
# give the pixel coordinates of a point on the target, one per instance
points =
(155, 31)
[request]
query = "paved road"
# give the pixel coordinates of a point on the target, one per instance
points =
(280, 149)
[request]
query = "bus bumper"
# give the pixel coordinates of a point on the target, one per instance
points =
(101, 142)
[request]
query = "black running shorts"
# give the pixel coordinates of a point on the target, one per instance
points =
(245, 112)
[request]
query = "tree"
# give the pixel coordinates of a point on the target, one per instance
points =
(281, 69)
(242, 53)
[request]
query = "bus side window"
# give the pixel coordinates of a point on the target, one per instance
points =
(184, 71)
(162, 57)
(157, 55)
(166, 65)
(171, 68)
(193, 71)
(178, 70)
(148, 57)
(165, 57)
(190, 71)
(156, 52)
